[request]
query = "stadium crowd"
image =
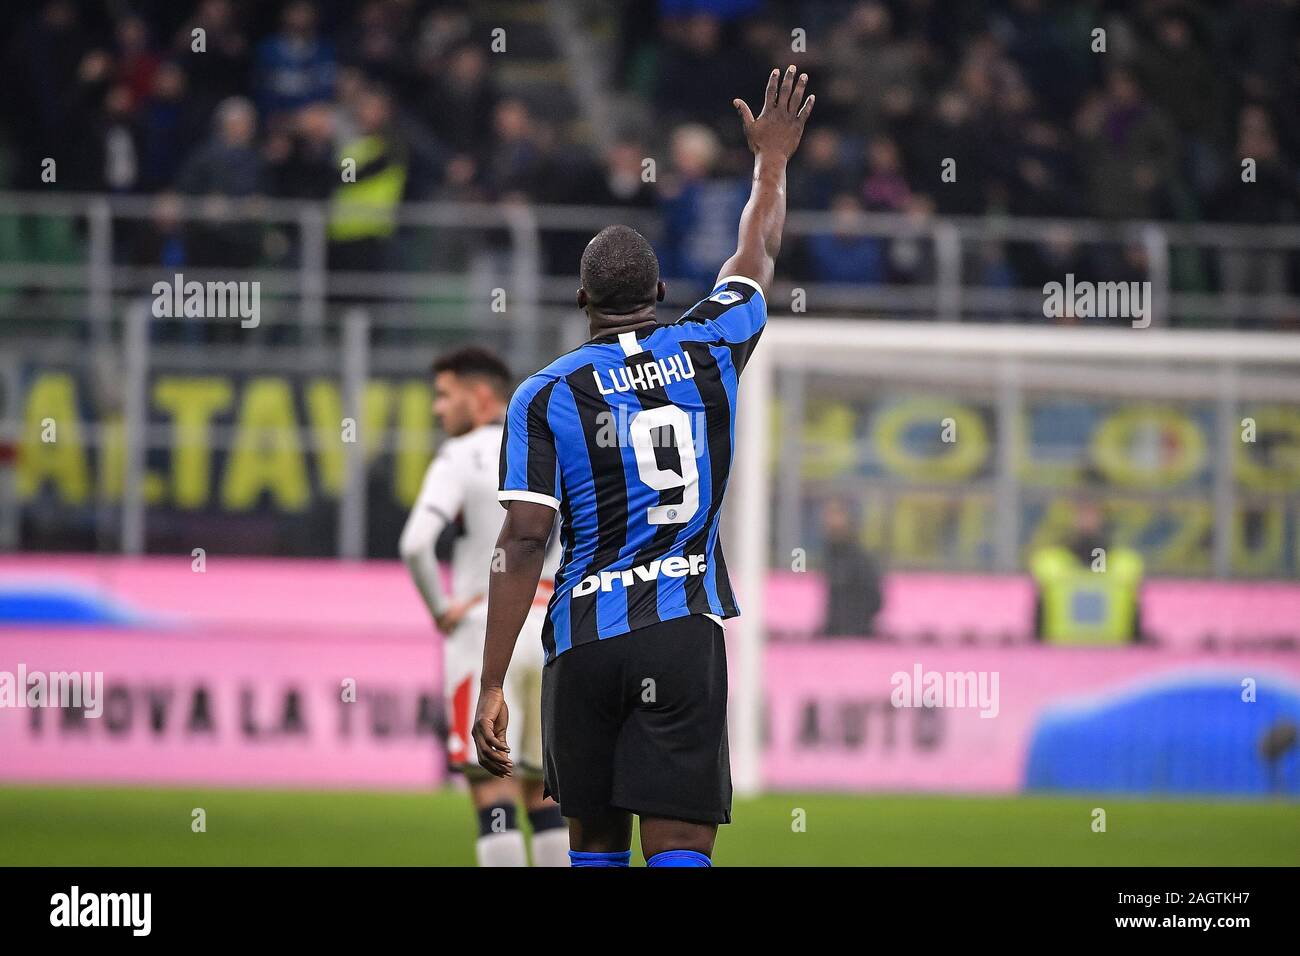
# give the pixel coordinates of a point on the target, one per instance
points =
(1017, 92)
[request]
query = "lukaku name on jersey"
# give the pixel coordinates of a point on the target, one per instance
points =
(674, 368)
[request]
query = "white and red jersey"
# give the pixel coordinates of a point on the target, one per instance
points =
(461, 485)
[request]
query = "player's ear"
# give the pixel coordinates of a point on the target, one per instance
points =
(660, 291)
(582, 298)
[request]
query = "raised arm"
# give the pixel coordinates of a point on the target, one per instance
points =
(773, 138)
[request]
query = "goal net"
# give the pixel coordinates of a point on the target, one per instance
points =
(956, 449)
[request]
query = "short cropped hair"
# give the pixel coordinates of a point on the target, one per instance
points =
(475, 362)
(619, 270)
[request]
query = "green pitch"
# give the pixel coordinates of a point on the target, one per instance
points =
(98, 827)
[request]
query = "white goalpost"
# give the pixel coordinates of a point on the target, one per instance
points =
(1005, 362)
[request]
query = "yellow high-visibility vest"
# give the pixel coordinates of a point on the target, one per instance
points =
(365, 209)
(1083, 606)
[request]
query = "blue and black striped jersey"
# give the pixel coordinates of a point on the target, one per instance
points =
(630, 438)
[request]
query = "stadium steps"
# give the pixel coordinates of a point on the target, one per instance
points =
(585, 35)
(532, 67)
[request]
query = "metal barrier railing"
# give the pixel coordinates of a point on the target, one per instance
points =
(506, 246)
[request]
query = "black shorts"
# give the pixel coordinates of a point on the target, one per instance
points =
(639, 723)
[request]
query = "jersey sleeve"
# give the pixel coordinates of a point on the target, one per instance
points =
(443, 492)
(441, 496)
(734, 314)
(529, 469)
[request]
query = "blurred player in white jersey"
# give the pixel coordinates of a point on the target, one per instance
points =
(459, 500)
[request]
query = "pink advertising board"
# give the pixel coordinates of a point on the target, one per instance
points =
(251, 673)
(327, 674)
(832, 723)
(377, 597)
(231, 707)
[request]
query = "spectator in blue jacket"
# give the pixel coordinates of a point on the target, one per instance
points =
(842, 255)
(699, 209)
(295, 67)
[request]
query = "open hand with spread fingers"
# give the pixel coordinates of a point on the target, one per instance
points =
(780, 125)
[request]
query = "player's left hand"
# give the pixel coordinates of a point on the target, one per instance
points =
(490, 722)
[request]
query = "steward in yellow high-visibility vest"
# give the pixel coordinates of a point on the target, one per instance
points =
(1078, 605)
(365, 209)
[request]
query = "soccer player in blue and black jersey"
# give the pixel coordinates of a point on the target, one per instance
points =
(630, 439)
